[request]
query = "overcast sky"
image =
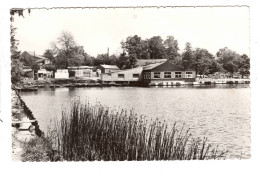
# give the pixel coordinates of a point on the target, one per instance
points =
(97, 29)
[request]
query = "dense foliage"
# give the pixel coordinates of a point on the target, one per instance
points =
(16, 65)
(65, 52)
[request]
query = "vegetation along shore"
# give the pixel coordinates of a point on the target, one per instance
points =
(95, 132)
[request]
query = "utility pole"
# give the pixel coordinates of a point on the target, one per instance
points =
(107, 54)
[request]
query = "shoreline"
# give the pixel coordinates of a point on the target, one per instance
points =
(24, 127)
(34, 85)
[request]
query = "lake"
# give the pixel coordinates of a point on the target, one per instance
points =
(219, 112)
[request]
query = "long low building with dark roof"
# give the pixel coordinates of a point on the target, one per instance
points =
(123, 76)
(167, 73)
(156, 73)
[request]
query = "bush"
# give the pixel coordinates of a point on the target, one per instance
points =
(50, 67)
(178, 84)
(16, 71)
(37, 149)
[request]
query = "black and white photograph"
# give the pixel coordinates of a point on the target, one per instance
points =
(123, 85)
(130, 83)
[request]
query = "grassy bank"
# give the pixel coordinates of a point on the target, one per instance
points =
(37, 149)
(88, 132)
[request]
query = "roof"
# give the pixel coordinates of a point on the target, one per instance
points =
(165, 66)
(39, 61)
(33, 54)
(81, 67)
(133, 70)
(109, 66)
(152, 66)
(44, 71)
(144, 62)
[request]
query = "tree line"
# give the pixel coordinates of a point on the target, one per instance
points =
(65, 52)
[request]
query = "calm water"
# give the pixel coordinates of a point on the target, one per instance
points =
(221, 113)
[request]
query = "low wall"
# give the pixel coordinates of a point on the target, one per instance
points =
(28, 113)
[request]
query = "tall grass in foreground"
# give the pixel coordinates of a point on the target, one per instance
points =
(88, 132)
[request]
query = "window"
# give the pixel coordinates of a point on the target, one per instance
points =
(135, 75)
(177, 74)
(109, 74)
(156, 75)
(189, 75)
(122, 76)
(167, 75)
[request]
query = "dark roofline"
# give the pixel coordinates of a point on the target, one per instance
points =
(35, 55)
(145, 62)
(168, 67)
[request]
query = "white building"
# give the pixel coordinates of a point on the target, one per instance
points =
(62, 74)
(43, 74)
(128, 75)
(82, 71)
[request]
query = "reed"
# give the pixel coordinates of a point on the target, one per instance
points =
(87, 132)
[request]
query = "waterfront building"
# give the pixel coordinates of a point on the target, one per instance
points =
(81, 71)
(43, 74)
(28, 58)
(62, 74)
(123, 76)
(166, 73)
(108, 68)
(148, 72)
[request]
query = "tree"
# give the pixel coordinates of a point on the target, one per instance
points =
(101, 59)
(16, 71)
(202, 61)
(16, 65)
(49, 55)
(18, 11)
(215, 67)
(244, 65)
(171, 48)
(123, 61)
(65, 47)
(187, 56)
(77, 57)
(15, 54)
(76, 60)
(113, 59)
(135, 47)
(50, 67)
(88, 60)
(35, 67)
(156, 47)
(229, 60)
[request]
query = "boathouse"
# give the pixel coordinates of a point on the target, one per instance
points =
(166, 73)
(81, 71)
(123, 76)
(62, 74)
(43, 74)
(108, 68)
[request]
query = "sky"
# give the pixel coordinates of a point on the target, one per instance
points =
(96, 29)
